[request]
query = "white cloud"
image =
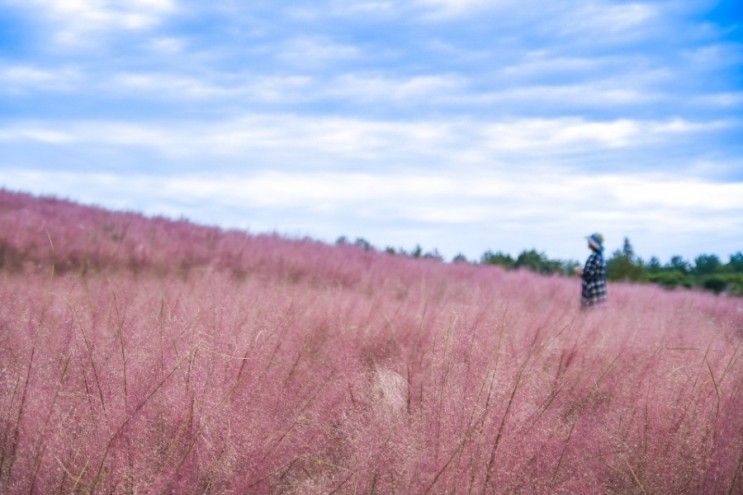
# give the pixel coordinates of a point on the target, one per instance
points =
(279, 89)
(714, 56)
(311, 51)
(516, 201)
(25, 78)
(541, 63)
(166, 85)
(75, 22)
(345, 8)
(364, 7)
(327, 140)
(454, 8)
(606, 21)
(553, 134)
(356, 88)
(727, 99)
(611, 19)
(590, 94)
(168, 45)
(677, 194)
(44, 135)
(370, 87)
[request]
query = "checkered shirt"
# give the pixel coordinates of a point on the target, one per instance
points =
(594, 280)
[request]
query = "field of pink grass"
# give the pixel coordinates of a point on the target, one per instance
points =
(149, 356)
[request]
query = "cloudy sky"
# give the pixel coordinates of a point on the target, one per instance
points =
(464, 125)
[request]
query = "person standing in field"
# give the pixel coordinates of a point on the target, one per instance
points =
(593, 274)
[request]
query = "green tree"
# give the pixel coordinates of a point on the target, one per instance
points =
(654, 265)
(362, 243)
(499, 258)
(535, 261)
(433, 255)
(736, 262)
(715, 283)
(670, 278)
(568, 267)
(679, 263)
(623, 265)
(627, 250)
(706, 264)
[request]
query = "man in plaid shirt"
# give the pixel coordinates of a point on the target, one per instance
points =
(593, 290)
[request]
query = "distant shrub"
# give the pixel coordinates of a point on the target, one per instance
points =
(670, 279)
(736, 262)
(497, 258)
(706, 264)
(433, 255)
(460, 258)
(624, 265)
(363, 244)
(731, 283)
(715, 283)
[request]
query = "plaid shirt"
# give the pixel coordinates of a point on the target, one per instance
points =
(594, 280)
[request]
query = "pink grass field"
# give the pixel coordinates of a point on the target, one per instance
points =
(151, 356)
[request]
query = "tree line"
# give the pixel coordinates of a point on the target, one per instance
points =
(706, 271)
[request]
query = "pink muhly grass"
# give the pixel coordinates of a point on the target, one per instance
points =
(144, 355)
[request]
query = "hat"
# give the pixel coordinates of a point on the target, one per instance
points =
(596, 241)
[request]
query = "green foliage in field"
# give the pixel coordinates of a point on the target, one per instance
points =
(706, 271)
(530, 259)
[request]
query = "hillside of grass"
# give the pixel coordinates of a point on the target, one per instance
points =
(145, 355)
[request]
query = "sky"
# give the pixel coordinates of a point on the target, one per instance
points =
(461, 125)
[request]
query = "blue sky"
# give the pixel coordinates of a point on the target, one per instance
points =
(463, 125)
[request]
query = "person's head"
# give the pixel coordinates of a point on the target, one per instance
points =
(595, 242)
